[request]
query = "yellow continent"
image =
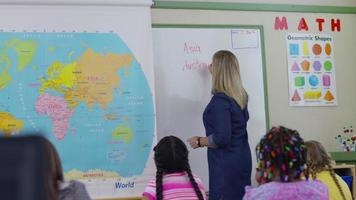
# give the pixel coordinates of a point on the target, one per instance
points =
(122, 133)
(25, 50)
(90, 79)
(9, 124)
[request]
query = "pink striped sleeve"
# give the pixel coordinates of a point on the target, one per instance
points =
(150, 190)
(149, 196)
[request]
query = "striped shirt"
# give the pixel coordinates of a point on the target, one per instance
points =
(175, 186)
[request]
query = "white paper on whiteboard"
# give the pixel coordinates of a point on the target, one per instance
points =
(244, 39)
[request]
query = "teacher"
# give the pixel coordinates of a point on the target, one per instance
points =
(225, 121)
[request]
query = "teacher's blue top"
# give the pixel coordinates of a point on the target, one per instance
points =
(230, 162)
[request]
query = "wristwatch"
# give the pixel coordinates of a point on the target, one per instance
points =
(198, 142)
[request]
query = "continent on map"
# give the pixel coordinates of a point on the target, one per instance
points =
(91, 79)
(25, 51)
(5, 78)
(123, 133)
(9, 124)
(56, 108)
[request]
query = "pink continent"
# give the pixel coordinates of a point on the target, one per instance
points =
(56, 108)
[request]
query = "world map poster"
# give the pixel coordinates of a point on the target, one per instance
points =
(87, 93)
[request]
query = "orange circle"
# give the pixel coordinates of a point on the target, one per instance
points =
(316, 49)
(328, 49)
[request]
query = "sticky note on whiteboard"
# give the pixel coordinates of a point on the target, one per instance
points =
(244, 39)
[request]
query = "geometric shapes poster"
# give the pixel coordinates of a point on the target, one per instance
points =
(314, 84)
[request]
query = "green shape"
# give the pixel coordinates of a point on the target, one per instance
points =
(265, 7)
(25, 50)
(328, 65)
(123, 133)
(51, 49)
(6, 59)
(299, 81)
(5, 79)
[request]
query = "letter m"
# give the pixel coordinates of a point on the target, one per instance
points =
(280, 24)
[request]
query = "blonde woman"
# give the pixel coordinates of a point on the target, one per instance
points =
(225, 120)
(319, 167)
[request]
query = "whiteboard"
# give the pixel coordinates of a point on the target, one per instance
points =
(182, 54)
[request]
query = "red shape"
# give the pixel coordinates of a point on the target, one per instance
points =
(296, 96)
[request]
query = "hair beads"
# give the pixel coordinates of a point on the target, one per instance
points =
(281, 152)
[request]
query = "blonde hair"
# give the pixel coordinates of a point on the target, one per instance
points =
(226, 78)
(318, 160)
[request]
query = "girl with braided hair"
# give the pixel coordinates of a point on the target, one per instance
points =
(174, 179)
(281, 160)
(319, 166)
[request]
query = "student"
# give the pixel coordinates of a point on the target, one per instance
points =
(174, 179)
(57, 187)
(319, 165)
(225, 121)
(281, 160)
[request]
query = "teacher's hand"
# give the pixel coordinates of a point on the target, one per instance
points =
(193, 141)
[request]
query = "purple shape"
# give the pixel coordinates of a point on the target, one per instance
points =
(295, 67)
(317, 65)
(326, 80)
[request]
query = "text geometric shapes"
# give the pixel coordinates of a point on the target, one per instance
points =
(299, 81)
(328, 96)
(317, 65)
(294, 49)
(305, 65)
(295, 67)
(317, 49)
(328, 66)
(326, 80)
(328, 49)
(313, 80)
(312, 95)
(296, 96)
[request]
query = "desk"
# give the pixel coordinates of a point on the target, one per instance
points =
(347, 170)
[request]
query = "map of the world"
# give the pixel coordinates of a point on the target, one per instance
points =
(85, 92)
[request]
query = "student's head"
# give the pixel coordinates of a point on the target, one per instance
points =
(54, 170)
(317, 157)
(226, 77)
(318, 160)
(280, 156)
(171, 156)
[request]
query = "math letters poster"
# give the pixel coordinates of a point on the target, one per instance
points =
(311, 70)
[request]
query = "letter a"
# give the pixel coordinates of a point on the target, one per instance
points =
(303, 24)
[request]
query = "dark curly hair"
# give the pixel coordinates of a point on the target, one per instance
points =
(171, 156)
(281, 152)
